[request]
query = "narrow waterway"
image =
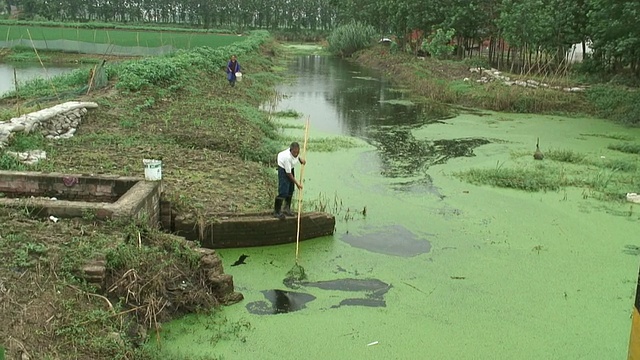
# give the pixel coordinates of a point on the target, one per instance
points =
(10, 73)
(423, 265)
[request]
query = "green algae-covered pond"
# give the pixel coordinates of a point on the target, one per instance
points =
(427, 265)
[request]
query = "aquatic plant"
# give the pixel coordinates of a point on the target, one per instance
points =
(288, 114)
(335, 206)
(568, 156)
(522, 179)
(614, 136)
(606, 179)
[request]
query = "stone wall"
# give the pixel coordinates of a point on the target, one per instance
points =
(57, 122)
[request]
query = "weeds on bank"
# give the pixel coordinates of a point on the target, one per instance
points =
(150, 277)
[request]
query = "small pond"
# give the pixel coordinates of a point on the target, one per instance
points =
(25, 72)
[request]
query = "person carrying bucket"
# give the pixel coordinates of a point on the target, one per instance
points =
(233, 70)
(287, 159)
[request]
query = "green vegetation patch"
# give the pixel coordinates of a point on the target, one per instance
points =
(614, 136)
(320, 144)
(521, 179)
(628, 148)
(121, 37)
(608, 179)
(287, 114)
(616, 103)
(568, 156)
(305, 49)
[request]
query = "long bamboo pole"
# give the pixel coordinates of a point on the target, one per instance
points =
(304, 156)
(42, 64)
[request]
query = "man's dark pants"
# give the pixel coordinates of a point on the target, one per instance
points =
(285, 190)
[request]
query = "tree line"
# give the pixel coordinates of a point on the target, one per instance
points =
(256, 14)
(530, 33)
(525, 33)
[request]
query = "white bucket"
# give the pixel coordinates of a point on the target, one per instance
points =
(238, 76)
(152, 169)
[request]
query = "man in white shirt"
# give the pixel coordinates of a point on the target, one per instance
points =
(287, 159)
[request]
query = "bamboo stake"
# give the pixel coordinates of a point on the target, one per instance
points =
(41, 64)
(93, 75)
(304, 156)
(15, 82)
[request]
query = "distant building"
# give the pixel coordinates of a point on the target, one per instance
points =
(575, 54)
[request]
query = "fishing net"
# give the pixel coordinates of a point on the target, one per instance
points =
(295, 275)
(83, 47)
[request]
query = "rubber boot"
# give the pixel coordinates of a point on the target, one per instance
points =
(276, 208)
(287, 207)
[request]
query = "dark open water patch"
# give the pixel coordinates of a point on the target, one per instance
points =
(403, 155)
(280, 302)
(373, 291)
(632, 250)
(391, 240)
(420, 186)
(370, 294)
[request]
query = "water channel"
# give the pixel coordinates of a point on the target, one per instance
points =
(434, 268)
(25, 72)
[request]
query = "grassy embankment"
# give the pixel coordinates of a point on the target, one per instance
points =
(438, 81)
(216, 146)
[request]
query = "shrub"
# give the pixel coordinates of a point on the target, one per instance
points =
(439, 44)
(347, 39)
(616, 103)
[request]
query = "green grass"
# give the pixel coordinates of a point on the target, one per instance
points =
(26, 55)
(23, 142)
(628, 148)
(288, 114)
(614, 136)
(519, 178)
(568, 156)
(8, 162)
(180, 40)
(607, 179)
(324, 144)
(305, 49)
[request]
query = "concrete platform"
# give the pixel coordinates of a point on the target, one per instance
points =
(76, 195)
